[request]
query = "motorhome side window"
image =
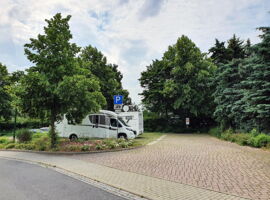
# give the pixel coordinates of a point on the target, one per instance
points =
(113, 123)
(93, 119)
(102, 120)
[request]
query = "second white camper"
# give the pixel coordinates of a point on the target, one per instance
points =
(134, 120)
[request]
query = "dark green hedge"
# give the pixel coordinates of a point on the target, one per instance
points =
(176, 125)
(28, 124)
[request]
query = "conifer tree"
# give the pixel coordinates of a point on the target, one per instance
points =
(219, 53)
(257, 83)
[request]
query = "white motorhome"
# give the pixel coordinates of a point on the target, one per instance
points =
(134, 120)
(105, 124)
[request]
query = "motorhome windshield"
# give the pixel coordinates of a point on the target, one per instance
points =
(122, 121)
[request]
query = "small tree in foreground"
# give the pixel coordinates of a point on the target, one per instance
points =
(57, 85)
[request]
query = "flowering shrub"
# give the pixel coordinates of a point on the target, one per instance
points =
(254, 138)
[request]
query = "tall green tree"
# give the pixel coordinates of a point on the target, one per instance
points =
(15, 79)
(247, 48)
(227, 93)
(16, 76)
(5, 98)
(188, 86)
(179, 83)
(236, 48)
(219, 53)
(153, 81)
(227, 82)
(256, 99)
(13, 90)
(57, 85)
(109, 76)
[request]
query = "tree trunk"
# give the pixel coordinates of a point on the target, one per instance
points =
(52, 131)
(15, 123)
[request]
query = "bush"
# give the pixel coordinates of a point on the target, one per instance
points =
(10, 146)
(85, 148)
(215, 132)
(243, 139)
(4, 140)
(29, 146)
(73, 148)
(56, 149)
(261, 140)
(20, 146)
(228, 135)
(100, 146)
(38, 135)
(111, 144)
(25, 146)
(254, 132)
(24, 135)
(123, 144)
(254, 138)
(41, 143)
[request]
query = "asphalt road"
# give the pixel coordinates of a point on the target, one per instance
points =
(23, 181)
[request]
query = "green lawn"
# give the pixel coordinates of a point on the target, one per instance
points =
(146, 138)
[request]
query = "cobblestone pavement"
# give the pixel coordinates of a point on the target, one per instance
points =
(197, 160)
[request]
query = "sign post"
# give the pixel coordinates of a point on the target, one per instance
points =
(187, 122)
(118, 103)
(118, 99)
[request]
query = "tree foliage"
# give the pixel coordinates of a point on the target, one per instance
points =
(219, 53)
(108, 74)
(57, 85)
(227, 92)
(5, 98)
(257, 84)
(179, 83)
(242, 92)
(153, 82)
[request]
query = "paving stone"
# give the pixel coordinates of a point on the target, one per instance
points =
(197, 160)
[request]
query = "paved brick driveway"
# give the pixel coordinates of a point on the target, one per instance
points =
(197, 160)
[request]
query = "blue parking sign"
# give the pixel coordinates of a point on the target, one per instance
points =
(118, 99)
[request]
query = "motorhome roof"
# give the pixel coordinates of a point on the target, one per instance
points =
(107, 112)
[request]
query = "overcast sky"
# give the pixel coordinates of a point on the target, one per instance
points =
(130, 33)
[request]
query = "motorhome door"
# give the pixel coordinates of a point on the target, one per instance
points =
(100, 127)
